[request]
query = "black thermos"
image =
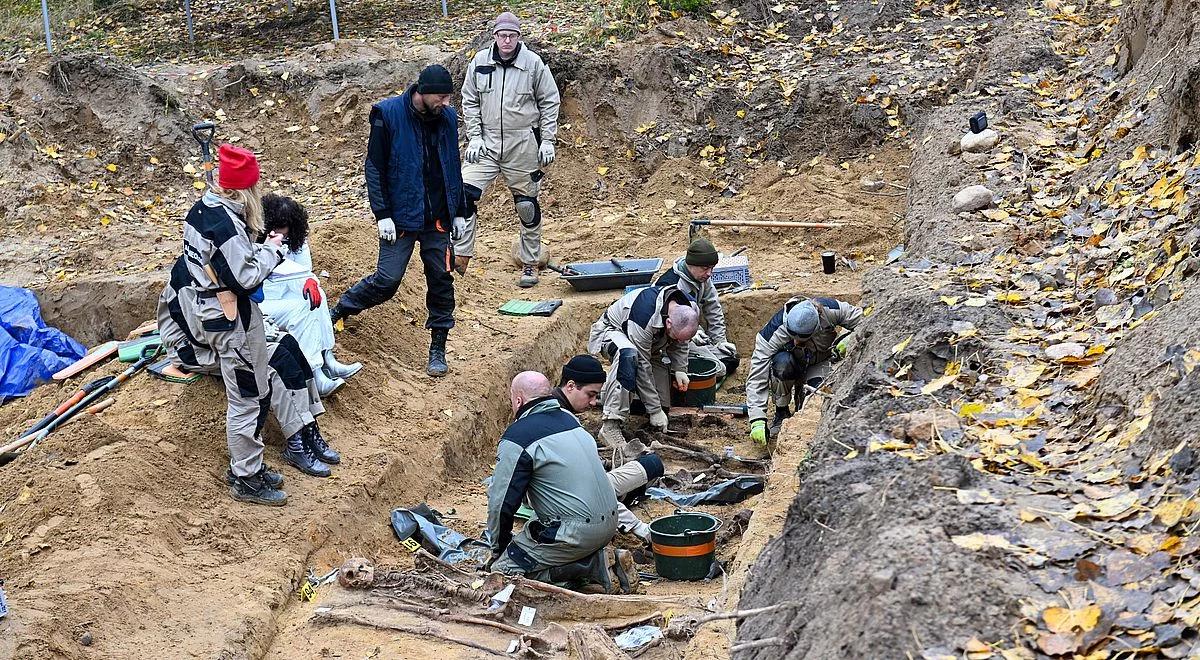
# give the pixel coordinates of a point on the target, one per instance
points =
(828, 263)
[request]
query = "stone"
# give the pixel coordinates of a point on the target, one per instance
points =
(972, 198)
(872, 184)
(1066, 350)
(975, 159)
(882, 580)
(86, 638)
(1105, 297)
(979, 142)
(923, 425)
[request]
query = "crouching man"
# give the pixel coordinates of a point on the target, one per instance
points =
(637, 332)
(577, 390)
(548, 459)
(793, 351)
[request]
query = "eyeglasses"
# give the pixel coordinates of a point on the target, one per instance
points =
(507, 36)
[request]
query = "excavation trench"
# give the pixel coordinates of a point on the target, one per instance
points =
(453, 486)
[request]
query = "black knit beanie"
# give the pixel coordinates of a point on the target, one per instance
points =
(702, 253)
(584, 370)
(435, 79)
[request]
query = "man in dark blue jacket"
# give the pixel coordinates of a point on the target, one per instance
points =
(414, 182)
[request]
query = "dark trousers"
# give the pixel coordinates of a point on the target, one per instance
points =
(381, 285)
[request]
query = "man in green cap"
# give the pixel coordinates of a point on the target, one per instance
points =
(692, 275)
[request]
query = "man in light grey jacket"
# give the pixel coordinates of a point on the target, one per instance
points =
(692, 274)
(791, 352)
(645, 333)
(510, 104)
(547, 458)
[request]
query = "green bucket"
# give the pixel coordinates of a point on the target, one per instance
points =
(702, 391)
(685, 545)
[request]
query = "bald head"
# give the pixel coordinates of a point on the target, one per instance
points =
(682, 321)
(527, 386)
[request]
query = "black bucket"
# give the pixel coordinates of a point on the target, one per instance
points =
(685, 545)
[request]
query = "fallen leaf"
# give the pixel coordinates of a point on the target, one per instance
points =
(1065, 620)
(902, 345)
(938, 383)
(602, 170)
(978, 541)
(1057, 644)
(1171, 512)
(111, 167)
(1113, 507)
(1024, 375)
(976, 302)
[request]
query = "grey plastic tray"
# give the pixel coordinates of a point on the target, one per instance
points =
(601, 275)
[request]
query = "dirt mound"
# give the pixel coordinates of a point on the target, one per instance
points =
(1042, 339)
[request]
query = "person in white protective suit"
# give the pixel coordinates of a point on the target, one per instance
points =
(293, 299)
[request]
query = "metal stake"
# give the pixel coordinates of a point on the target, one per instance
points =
(291, 8)
(445, 13)
(46, 26)
(333, 18)
(187, 11)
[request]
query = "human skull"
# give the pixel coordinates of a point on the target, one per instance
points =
(356, 573)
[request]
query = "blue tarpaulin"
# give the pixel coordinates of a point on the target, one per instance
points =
(30, 351)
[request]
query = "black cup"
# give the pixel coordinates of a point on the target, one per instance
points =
(828, 262)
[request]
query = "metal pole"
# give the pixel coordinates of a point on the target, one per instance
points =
(445, 13)
(187, 11)
(46, 26)
(291, 8)
(333, 18)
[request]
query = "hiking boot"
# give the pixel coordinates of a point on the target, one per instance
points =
(319, 446)
(781, 413)
(623, 571)
(255, 490)
(337, 369)
(274, 479)
(437, 353)
(299, 454)
(611, 435)
(528, 276)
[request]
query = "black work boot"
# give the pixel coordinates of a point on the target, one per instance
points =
(318, 446)
(781, 413)
(256, 490)
(437, 353)
(299, 454)
(274, 479)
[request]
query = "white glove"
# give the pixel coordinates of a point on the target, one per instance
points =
(728, 348)
(387, 230)
(546, 153)
(458, 228)
(658, 420)
(681, 380)
(474, 151)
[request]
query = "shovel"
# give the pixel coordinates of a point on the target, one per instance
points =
(203, 133)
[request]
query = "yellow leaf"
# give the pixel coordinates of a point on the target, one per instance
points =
(741, 114)
(995, 214)
(902, 345)
(1011, 297)
(949, 300)
(111, 167)
(979, 541)
(1172, 511)
(976, 302)
(1032, 461)
(1028, 516)
(1064, 620)
(105, 221)
(153, 160)
(708, 151)
(3, 136)
(938, 383)
(1024, 375)
(853, 453)
(189, 168)
(602, 170)
(645, 127)
(198, 185)
(971, 409)
(1136, 159)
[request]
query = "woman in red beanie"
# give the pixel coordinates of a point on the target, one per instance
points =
(210, 324)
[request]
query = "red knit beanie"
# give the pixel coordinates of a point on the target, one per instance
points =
(237, 168)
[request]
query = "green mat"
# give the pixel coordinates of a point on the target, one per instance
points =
(530, 308)
(134, 349)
